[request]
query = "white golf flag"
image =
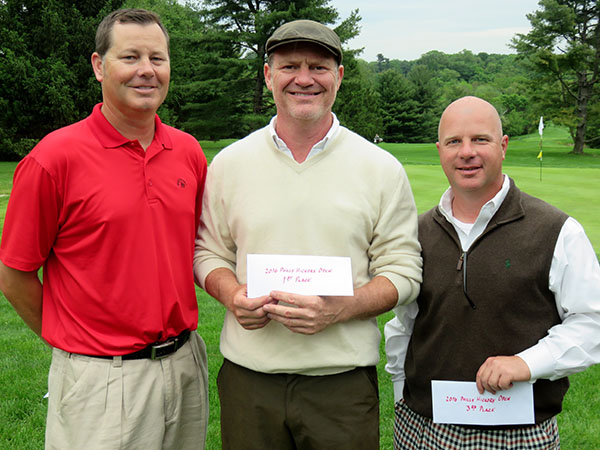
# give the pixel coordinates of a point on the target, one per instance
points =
(541, 127)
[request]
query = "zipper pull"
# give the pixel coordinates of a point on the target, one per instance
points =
(460, 261)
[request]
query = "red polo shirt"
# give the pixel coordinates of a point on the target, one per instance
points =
(114, 227)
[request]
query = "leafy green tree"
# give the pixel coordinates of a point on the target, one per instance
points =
(564, 46)
(435, 61)
(383, 63)
(399, 108)
(426, 95)
(436, 79)
(592, 136)
(516, 116)
(410, 105)
(47, 78)
(357, 102)
(357, 105)
(454, 90)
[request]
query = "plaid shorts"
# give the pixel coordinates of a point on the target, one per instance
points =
(415, 432)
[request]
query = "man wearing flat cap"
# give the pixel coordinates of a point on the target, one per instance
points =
(299, 370)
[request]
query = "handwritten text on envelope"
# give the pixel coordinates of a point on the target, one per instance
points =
(459, 402)
(299, 274)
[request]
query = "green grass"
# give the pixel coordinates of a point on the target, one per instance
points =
(570, 182)
(24, 364)
(211, 148)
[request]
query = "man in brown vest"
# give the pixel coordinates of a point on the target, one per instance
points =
(510, 293)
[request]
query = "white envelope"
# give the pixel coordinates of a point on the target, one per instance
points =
(459, 402)
(299, 274)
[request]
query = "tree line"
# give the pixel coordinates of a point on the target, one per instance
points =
(217, 84)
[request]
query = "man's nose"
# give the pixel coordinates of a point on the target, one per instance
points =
(304, 76)
(145, 67)
(467, 149)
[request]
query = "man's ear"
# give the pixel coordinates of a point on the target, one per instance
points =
(504, 145)
(97, 64)
(340, 76)
(267, 70)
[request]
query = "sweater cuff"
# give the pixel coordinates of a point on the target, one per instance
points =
(407, 288)
(201, 270)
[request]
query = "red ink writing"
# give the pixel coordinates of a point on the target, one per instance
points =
(302, 280)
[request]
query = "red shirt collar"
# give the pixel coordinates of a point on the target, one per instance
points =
(109, 137)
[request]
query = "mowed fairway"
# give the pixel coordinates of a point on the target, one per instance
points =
(571, 183)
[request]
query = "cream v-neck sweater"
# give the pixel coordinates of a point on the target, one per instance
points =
(352, 199)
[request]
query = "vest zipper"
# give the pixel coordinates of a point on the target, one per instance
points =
(462, 264)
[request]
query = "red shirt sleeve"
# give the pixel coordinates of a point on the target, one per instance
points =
(31, 221)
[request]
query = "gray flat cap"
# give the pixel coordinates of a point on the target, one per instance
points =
(306, 31)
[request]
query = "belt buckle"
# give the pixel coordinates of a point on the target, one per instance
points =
(163, 349)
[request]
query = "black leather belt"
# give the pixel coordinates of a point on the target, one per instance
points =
(155, 351)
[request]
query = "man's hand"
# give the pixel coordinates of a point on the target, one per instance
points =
(222, 284)
(498, 373)
(250, 312)
(305, 314)
(310, 314)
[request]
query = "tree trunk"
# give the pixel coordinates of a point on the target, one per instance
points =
(257, 102)
(579, 138)
(584, 95)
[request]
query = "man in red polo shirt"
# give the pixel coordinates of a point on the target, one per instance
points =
(109, 206)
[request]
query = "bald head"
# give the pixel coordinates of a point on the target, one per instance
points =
(471, 148)
(470, 106)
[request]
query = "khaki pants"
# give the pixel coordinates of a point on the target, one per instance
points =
(145, 404)
(296, 412)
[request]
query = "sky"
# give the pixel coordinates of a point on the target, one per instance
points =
(406, 29)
